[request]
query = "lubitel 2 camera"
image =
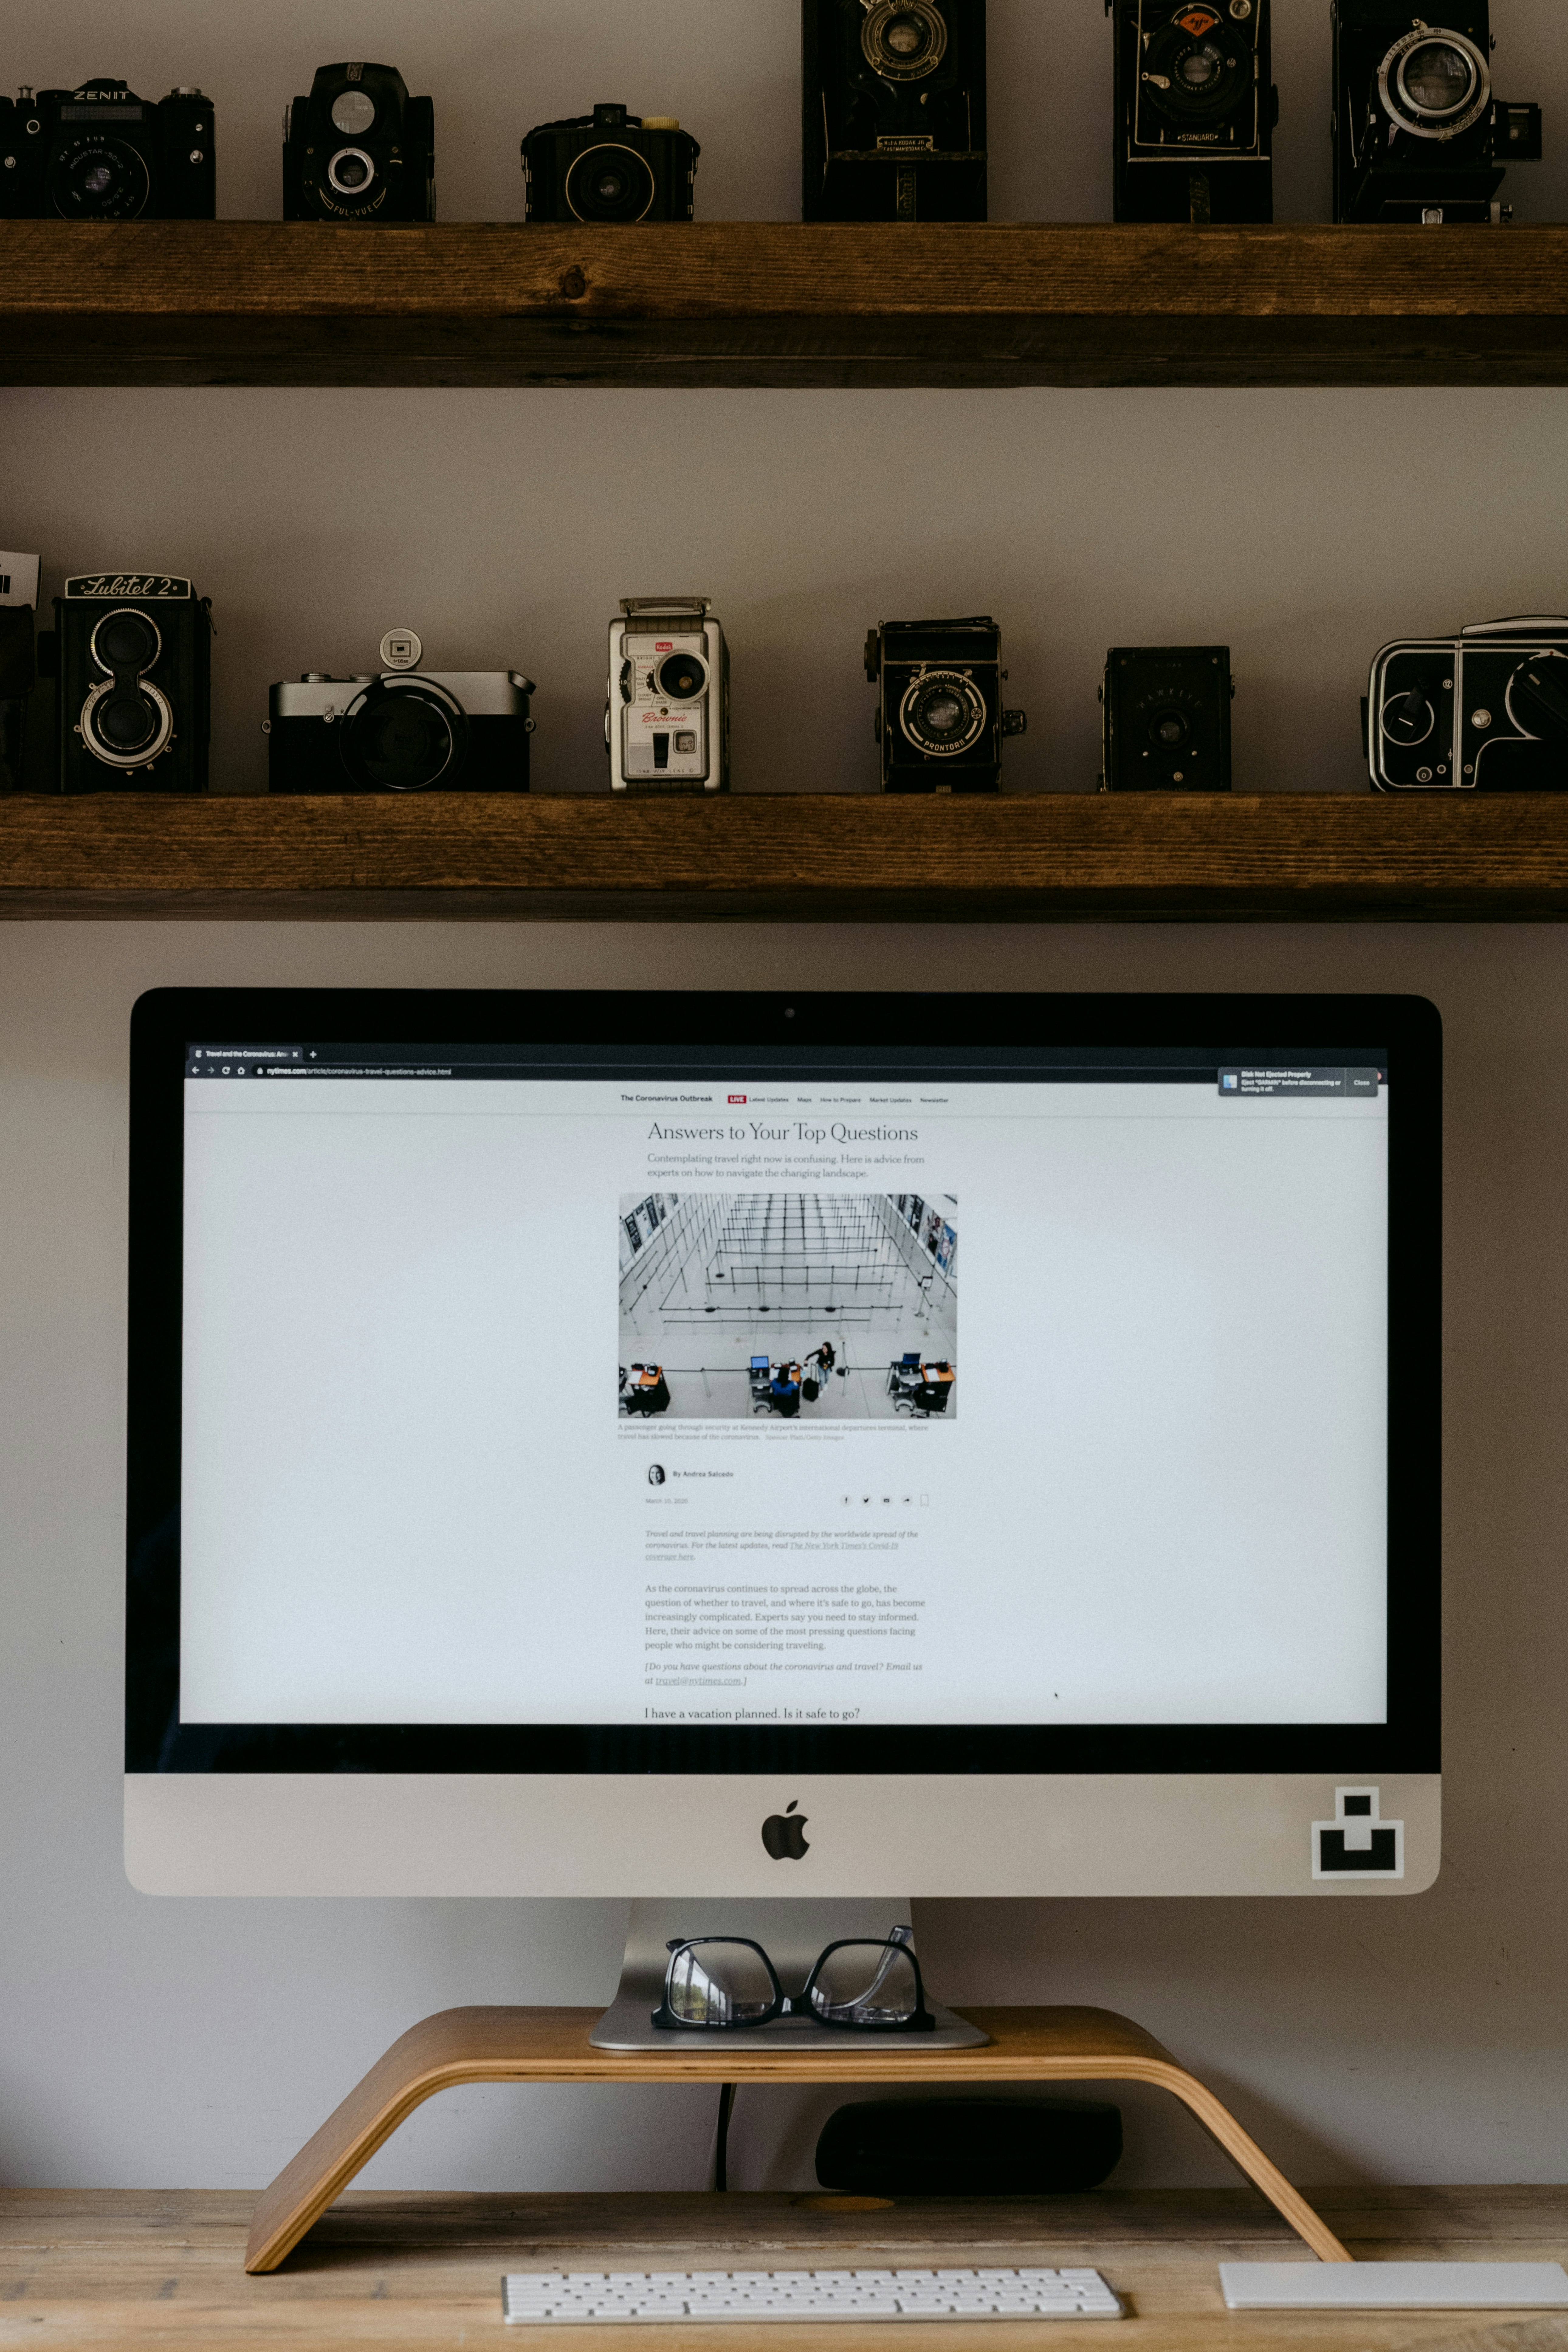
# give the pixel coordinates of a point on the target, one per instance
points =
(1193, 111)
(609, 166)
(1484, 711)
(893, 109)
(1166, 719)
(132, 653)
(100, 152)
(401, 729)
(940, 719)
(667, 712)
(358, 149)
(1418, 133)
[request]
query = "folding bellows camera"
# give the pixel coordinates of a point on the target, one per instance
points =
(1193, 111)
(893, 109)
(940, 719)
(1419, 134)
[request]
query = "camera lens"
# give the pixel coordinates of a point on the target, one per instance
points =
(352, 113)
(942, 713)
(350, 170)
(98, 179)
(1169, 730)
(681, 677)
(903, 39)
(125, 720)
(1202, 69)
(1437, 77)
(403, 735)
(609, 183)
(126, 726)
(125, 640)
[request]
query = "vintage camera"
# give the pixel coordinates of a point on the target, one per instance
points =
(1193, 111)
(132, 653)
(609, 166)
(1485, 711)
(667, 714)
(100, 152)
(358, 149)
(18, 662)
(892, 109)
(1419, 135)
(1166, 719)
(940, 719)
(402, 730)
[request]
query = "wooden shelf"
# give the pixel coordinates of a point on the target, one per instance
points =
(741, 303)
(1063, 858)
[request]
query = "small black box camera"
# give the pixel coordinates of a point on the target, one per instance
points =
(893, 109)
(940, 719)
(1484, 711)
(1167, 718)
(18, 662)
(358, 149)
(134, 661)
(1195, 109)
(100, 152)
(1418, 134)
(609, 166)
(402, 730)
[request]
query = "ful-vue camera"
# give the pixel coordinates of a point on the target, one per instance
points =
(100, 152)
(1418, 134)
(609, 166)
(402, 730)
(1193, 111)
(940, 719)
(358, 149)
(667, 712)
(1484, 711)
(132, 653)
(893, 109)
(1166, 719)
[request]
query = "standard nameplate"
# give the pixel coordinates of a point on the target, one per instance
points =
(18, 579)
(150, 586)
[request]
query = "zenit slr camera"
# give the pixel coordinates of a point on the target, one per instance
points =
(1418, 134)
(1166, 719)
(1485, 711)
(1195, 110)
(358, 149)
(893, 109)
(133, 655)
(100, 152)
(940, 719)
(667, 715)
(403, 730)
(609, 166)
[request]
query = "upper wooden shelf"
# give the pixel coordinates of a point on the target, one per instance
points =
(268, 302)
(792, 856)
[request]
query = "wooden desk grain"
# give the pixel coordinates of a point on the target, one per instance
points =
(100, 2268)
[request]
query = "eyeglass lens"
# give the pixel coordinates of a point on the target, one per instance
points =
(867, 1984)
(717, 1983)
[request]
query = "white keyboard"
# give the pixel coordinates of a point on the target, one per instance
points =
(549, 2298)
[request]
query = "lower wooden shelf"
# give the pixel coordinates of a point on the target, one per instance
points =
(1062, 857)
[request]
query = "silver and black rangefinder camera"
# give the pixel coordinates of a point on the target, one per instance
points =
(401, 729)
(667, 718)
(1485, 711)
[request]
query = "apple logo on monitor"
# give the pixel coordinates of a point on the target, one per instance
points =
(783, 1834)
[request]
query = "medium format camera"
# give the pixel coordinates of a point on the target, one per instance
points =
(1166, 719)
(134, 656)
(100, 152)
(1193, 111)
(1419, 135)
(402, 730)
(940, 719)
(18, 662)
(1485, 711)
(893, 109)
(667, 715)
(358, 149)
(609, 166)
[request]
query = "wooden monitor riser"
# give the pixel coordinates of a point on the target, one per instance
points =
(551, 2045)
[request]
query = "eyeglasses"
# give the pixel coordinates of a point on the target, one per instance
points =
(720, 1982)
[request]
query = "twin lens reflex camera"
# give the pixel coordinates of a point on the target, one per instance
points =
(893, 109)
(1195, 109)
(940, 719)
(403, 730)
(666, 713)
(132, 652)
(358, 149)
(100, 152)
(1485, 711)
(1418, 133)
(1166, 719)
(609, 166)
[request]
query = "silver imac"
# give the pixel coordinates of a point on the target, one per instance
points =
(737, 1445)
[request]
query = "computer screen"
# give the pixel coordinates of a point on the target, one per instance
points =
(618, 1385)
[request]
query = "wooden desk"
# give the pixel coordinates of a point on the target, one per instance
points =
(422, 2274)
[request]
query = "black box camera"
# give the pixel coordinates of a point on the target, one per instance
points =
(893, 109)
(940, 719)
(609, 166)
(1195, 109)
(403, 730)
(1484, 711)
(100, 152)
(1166, 721)
(1418, 133)
(358, 149)
(18, 662)
(134, 656)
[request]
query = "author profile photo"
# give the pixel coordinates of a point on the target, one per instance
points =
(656, 1473)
